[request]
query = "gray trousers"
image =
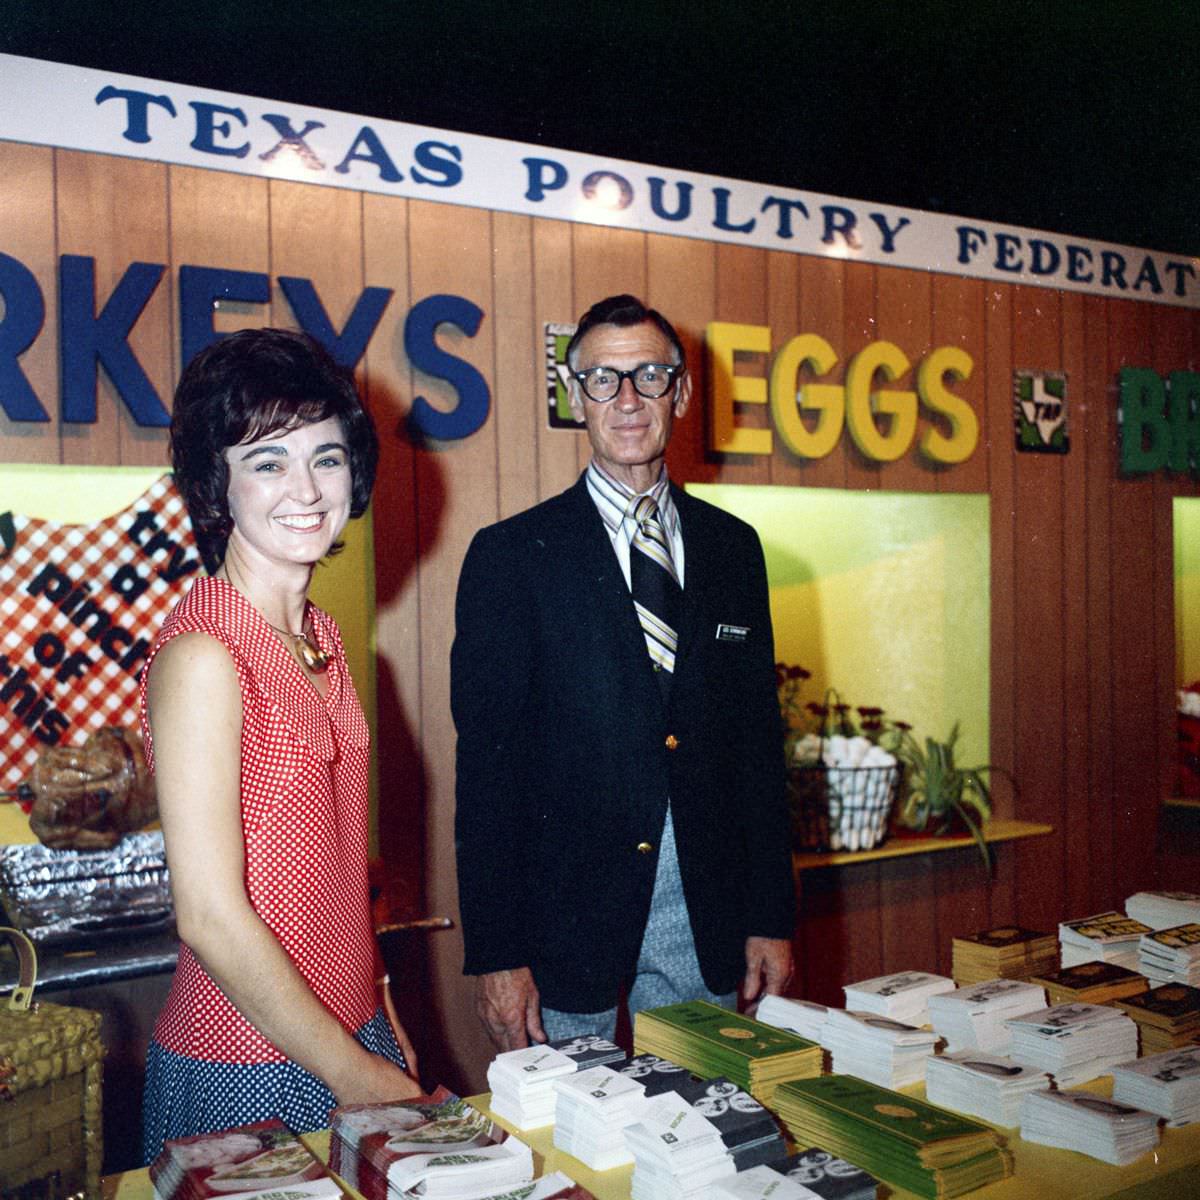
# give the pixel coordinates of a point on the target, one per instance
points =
(667, 970)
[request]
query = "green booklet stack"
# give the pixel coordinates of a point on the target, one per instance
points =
(709, 1040)
(904, 1141)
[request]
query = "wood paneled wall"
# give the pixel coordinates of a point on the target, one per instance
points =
(1082, 648)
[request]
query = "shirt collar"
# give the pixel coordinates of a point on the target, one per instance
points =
(615, 500)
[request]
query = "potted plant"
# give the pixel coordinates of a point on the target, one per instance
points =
(936, 790)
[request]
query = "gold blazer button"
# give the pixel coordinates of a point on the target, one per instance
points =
(672, 741)
(644, 847)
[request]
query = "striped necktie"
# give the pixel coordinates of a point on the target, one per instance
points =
(655, 586)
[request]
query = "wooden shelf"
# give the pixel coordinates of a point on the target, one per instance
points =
(1182, 802)
(994, 831)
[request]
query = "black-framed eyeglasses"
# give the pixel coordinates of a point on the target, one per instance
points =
(650, 380)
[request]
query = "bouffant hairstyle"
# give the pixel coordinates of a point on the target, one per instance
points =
(624, 310)
(248, 386)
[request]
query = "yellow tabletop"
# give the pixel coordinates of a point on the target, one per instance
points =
(1172, 1172)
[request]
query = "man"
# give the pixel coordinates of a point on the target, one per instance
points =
(621, 820)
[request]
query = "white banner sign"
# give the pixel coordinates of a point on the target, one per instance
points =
(56, 105)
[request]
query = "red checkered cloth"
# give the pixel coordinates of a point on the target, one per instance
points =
(79, 607)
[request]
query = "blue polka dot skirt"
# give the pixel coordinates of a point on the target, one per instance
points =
(185, 1096)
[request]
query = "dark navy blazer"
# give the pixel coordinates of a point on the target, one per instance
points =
(565, 758)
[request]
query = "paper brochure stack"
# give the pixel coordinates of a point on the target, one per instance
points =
(1007, 952)
(593, 1109)
(1104, 1129)
(749, 1132)
(1106, 937)
(826, 1175)
(523, 1081)
(677, 1152)
(801, 1017)
(522, 1084)
(712, 1041)
(972, 1018)
(983, 1085)
(1167, 1084)
(879, 1049)
(1073, 1042)
(656, 1075)
(431, 1146)
(264, 1157)
(906, 1142)
(1091, 982)
(1167, 1016)
(903, 996)
(760, 1183)
(1162, 910)
(1171, 955)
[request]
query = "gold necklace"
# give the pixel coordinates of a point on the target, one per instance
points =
(311, 655)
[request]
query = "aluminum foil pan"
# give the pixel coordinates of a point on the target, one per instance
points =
(57, 896)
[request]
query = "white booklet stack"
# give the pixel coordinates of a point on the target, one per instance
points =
(1090, 1124)
(1167, 1084)
(1073, 1042)
(1106, 937)
(798, 1016)
(677, 1153)
(522, 1084)
(762, 1183)
(878, 1049)
(1171, 955)
(593, 1108)
(1161, 910)
(981, 1085)
(656, 1075)
(972, 1018)
(903, 996)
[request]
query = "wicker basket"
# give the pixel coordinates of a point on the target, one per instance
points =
(51, 1143)
(841, 808)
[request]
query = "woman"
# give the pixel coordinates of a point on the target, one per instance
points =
(260, 752)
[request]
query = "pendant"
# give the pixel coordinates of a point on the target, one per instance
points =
(311, 655)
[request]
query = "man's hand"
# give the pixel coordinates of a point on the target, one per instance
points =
(510, 1008)
(768, 967)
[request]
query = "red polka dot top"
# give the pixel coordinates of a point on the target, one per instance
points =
(304, 818)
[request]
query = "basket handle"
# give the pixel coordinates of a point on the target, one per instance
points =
(22, 994)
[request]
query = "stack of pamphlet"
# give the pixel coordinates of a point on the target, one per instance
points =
(1104, 1129)
(760, 1183)
(252, 1158)
(677, 1152)
(1007, 952)
(973, 1017)
(523, 1081)
(826, 1175)
(879, 1049)
(593, 1109)
(710, 1040)
(1166, 1016)
(1073, 1042)
(434, 1146)
(1106, 937)
(1167, 1084)
(1091, 982)
(800, 1016)
(749, 1132)
(906, 1142)
(656, 1075)
(903, 996)
(1171, 955)
(522, 1084)
(984, 1085)
(1162, 910)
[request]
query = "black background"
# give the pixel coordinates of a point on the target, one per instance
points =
(1078, 118)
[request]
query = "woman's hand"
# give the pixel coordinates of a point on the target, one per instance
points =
(373, 1079)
